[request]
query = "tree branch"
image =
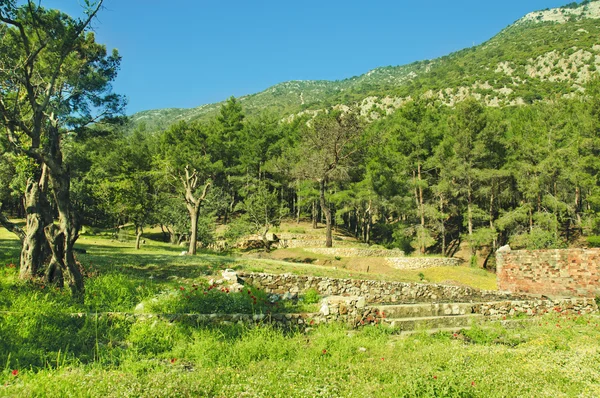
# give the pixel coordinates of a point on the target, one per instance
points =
(12, 227)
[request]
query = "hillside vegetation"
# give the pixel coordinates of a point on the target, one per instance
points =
(545, 54)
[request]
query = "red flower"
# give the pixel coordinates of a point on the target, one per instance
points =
(15, 372)
(473, 383)
(173, 360)
(383, 359)
(181, 288)
(434, 377)
(455, 335)
(324, 352)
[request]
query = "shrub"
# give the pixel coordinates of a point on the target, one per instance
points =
(311, 296)
(594, 240)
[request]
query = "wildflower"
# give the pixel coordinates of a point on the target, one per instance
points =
(473, 384)
(173, 360)
(324, 352)
(181, 288)
(383, 359)
(15, 372)
(434, 377)
(455, 335)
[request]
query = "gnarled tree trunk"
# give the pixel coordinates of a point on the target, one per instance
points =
(193, 204)
(35, 248)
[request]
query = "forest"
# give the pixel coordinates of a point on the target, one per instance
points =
(424, 178)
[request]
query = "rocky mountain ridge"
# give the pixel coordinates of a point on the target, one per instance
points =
(546, 53)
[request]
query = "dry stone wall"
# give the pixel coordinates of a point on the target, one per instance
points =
(563, 273)
(372, 291)
(537, 307)
(315, 243)
(408, 263)
(355, 252)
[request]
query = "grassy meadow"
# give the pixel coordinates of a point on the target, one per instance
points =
(53, 347)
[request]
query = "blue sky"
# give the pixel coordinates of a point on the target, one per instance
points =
(186, 53)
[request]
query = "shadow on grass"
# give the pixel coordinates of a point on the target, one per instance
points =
(9, 251)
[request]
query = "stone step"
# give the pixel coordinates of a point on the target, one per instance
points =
(433, 322)
(424, 310)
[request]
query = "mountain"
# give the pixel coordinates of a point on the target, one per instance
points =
(545, 54)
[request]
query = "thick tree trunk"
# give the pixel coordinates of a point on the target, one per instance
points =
(138, 237)
(327, 212)
(194, 214)
(62, 238)
(193, 204)
(35, 249)
(266, 241)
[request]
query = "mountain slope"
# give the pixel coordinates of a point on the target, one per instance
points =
(544, 54)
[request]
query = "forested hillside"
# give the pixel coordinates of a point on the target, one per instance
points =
(491, 145)
(545, 54)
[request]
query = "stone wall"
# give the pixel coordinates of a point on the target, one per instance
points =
(355, 252)
(409, 263)
(537, 307)
(562, 273)
(316, 243)
(372, 291)
(353, 311)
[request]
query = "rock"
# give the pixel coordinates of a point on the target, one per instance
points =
(236, 287)
(139, 307)
(230, 275)
(273, 298)
(362, 349)
(289, 296)
(504, 249)
(361, 303)
(324, 309)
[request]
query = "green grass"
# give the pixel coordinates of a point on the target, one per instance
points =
(158, 358)
(47, 351)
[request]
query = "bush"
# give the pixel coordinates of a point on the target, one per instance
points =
(200, 298)
(594, 240)
(311, 296)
